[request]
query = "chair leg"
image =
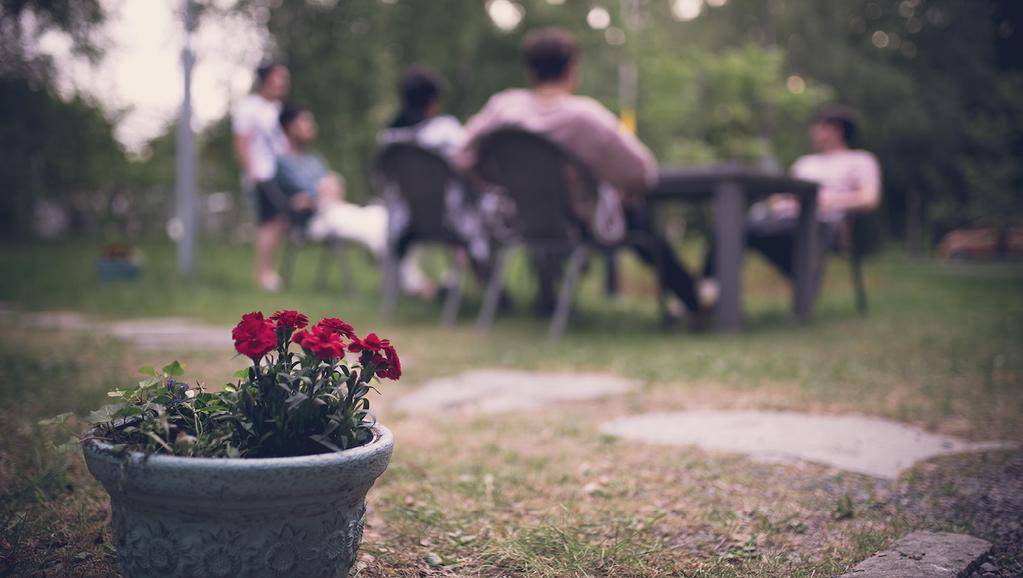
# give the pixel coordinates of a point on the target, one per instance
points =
(568, 289)
(493, 293)
(391, 285)
(321, 267)
(454, 296)
(859, 287)
(288, 256)
(344, 264)
(610, 273)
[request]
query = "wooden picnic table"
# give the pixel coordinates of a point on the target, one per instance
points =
(731, 190)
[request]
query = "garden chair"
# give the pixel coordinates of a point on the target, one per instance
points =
(416, 183)
(535, 175)
(297, 239)
(863, 238)
(858, 236)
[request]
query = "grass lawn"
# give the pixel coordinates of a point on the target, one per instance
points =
(543, 493)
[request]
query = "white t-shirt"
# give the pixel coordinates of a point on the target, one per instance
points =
(442, 134)
(841, 175)
(257, 118)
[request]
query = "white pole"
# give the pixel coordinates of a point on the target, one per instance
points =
(186, 189)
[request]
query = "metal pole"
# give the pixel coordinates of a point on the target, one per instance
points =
(628, 73)
(186, 189)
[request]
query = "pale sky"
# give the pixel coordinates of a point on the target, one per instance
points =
(139, 82)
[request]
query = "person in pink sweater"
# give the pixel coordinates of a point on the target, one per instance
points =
(592, 133)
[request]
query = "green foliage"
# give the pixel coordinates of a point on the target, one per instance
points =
(288, 404)
(844, 508)
(701, 107)
(53, 148)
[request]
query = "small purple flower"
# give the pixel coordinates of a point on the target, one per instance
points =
(177, 389)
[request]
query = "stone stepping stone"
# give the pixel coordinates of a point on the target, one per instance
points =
(171, 333)
(856, 443)
(499, 390)
(925, 555)
(164, 333)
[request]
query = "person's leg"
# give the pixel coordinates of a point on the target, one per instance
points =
(273, 225)
(547, 263)
(774, 239)
(268, 241)
(654, 249)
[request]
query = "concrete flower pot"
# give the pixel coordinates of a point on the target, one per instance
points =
(300, 516)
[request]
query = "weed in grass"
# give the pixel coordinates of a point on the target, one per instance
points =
(844, 508)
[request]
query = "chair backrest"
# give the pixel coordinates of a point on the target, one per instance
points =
(533, 171)
(421, 177)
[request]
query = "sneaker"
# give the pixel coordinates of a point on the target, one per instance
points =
(271, 283)
(708, 293)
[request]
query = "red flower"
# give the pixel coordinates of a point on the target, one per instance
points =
(299, 337)
(254, 336)
(393, 370)
(322, 342)
(289, 319)
(337, 326)
(370, 343)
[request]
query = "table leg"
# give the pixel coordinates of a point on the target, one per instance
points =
(807, 256)
(730, 235)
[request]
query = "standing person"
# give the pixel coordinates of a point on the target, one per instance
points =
(593, 134)
(849, 182)
(258, 140)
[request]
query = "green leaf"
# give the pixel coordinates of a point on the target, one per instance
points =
(241, 373)
(148, 370)
(58, 419)
(105, 414)
(174, 369)
(128, 411)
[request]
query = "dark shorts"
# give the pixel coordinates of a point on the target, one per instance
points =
(271, 200)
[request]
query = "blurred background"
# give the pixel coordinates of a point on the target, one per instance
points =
(90, 92)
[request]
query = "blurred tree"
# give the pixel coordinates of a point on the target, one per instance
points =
(60, 148)
(56, 149)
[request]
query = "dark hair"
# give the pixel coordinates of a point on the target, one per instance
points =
(263, 72)
(841, 117)
(418, 87)
(549, 52)
(290, 112)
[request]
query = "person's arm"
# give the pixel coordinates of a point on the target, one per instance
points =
(464, 159)
(615, 154)
(299, 199)
(866, 194)
(242, 127)
(241, 151)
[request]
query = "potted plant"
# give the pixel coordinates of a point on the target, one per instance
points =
(267, 477)
(119, 263)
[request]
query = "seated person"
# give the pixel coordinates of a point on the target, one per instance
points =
(420, 120)
(587, 129)
(304, 176)
(849, 182)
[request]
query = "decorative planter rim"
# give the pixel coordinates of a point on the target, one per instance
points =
(381, 437)
(235, 480)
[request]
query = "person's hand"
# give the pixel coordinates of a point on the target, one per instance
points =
(301, 202)
(783, 204)
(331, 188)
